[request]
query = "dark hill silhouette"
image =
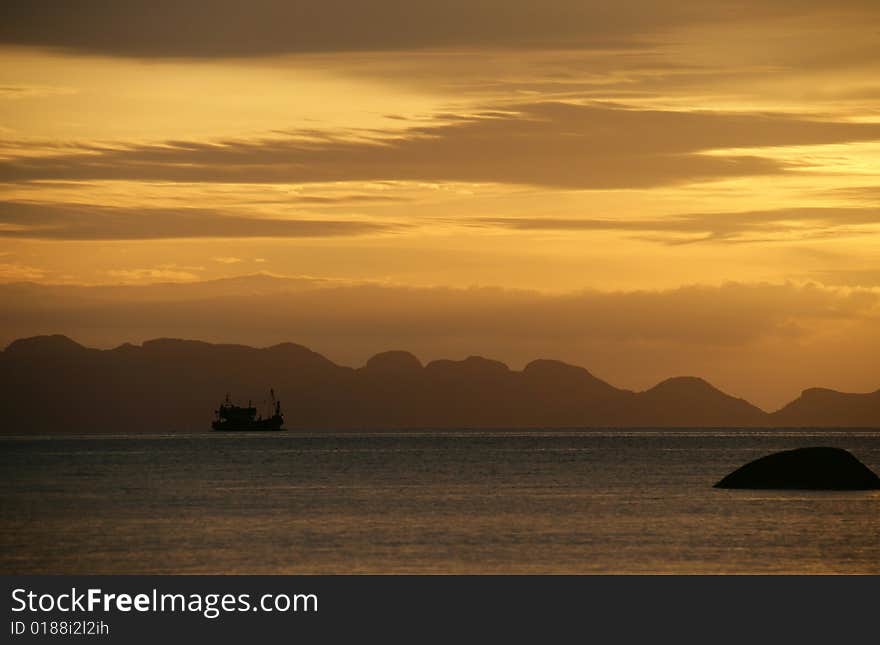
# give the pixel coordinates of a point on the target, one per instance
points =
(822, 407)
(49, 347)
(51, 384)
(691, 401)
(393, 362)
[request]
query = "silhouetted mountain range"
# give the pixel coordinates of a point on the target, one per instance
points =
(51, 384)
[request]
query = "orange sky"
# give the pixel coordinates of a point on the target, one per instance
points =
(632, 151)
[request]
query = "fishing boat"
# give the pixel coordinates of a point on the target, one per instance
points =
(234, 418)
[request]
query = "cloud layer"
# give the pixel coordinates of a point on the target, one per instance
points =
(756, 226)
(561, 145)
(225, 28)
(50, 221)
(197, 28)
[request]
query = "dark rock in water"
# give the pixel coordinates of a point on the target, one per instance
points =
(806, 469)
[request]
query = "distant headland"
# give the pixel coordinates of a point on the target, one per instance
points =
(51, 384)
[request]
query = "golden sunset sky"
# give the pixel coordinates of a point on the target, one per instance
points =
(644, 188)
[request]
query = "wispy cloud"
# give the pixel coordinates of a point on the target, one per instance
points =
(592, 146)
(762, 226)
(163, 273)
(31, 91)
(54, 221)
(15, 272)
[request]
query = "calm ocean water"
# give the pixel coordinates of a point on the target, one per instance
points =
(524, 502)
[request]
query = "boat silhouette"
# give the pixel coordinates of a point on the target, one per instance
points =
(234, 418)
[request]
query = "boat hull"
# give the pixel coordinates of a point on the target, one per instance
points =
(241, 429)
(260, 425)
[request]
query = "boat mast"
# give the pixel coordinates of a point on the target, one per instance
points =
(276, 405)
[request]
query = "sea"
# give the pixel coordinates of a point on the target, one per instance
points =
(592, 501)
